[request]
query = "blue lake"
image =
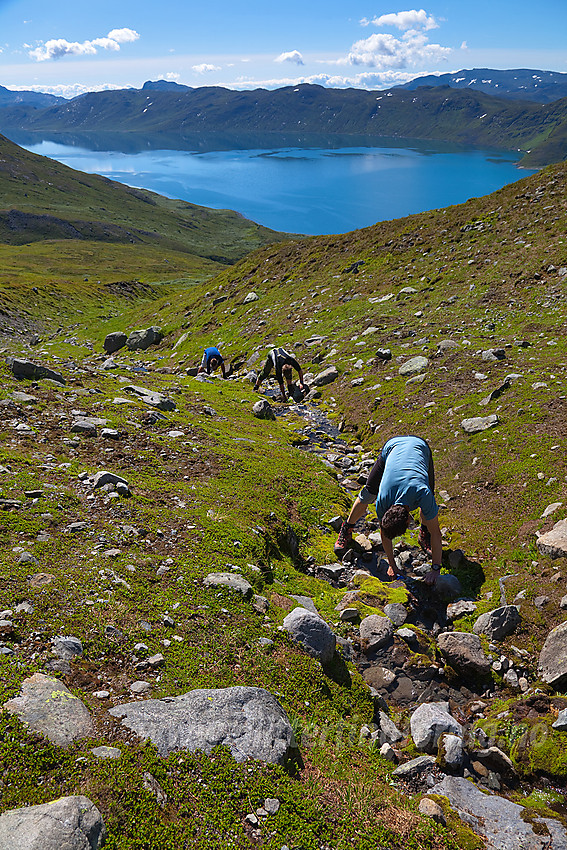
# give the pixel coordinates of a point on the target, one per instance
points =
(306, 189)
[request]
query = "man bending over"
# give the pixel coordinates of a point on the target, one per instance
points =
(401, 480)
(279, 359)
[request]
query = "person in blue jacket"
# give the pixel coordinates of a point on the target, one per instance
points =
(401, 480)
(211, 361)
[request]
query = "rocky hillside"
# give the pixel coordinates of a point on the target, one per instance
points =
(438, 112)
(184, 663)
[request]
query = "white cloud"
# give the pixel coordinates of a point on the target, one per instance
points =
(370, 81)
(293, 56)
(205, 68)
(72, 90)
(172, 76)
(412, 19)
(464, 46)
(383, 51)
(55, 48)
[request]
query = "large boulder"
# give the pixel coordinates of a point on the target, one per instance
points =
(414, 365)
(312, 632)
(499, 821)
(48, 707)
(498, 623)
(375, 632)
(142, 339)
(327, 376)
(429, 721)
(554, 543)
(249, 721)
(114, 341)
(552, 664)
(464, 652)
(69, 823)
(32, 371)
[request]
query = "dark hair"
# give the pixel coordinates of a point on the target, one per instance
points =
(287, 372)
(395, 521)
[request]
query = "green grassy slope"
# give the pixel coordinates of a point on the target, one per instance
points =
(228, 489)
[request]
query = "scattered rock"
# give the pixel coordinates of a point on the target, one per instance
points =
(430, 809)
(447, 587)
(460, 609)
(312, 632)
(114, 341)
(252, 296)
(375, 632)
(552, 664)
(429, 721)
(499, 821)
(263, 410)
(142, 339)
(151, 397)
(48, 707)
(451, 753)
(67, 647)
(389, 732)
(413, 366)
(69, 823)
(32, 371)
(479, 423)
(464, 652)
(106, 752)
(249, 721)
(102, 478)
(414, 767)
(396, 612)
(561, 722)
(498, 623)
(327, 376)
(554, 542)
(232, 581)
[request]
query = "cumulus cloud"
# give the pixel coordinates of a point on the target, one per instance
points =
(292, 56)
(171, 75)
(368, 80)
(413, 19)
(205, 68)
(382, 50)
(69, 91)
(55, 48)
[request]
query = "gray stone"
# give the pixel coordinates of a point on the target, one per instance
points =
(396, 612)
(451, 753)
(499, 821)
(389, 732)
(114, 341)
(552, 664)
(493, 354)
(272, 805)
(460, 609)
(447, 587)
(69, 823)
(554, 542)
(142, 339)
(407, 634)
(464, 652)
(110, 434)
(413, 366)
(327, 376)
(262, 409)
(140, 687)
(106, 752)
(48, 707)
(430, 809)
(312, 632)
(375, 632)
(349, 615)
(541, 601)
(414, 767)
(32, 371)
(252, 296)
(561, 722)
(232, 581)
(104, 477)
(67, 647)
(479, 423)
(151, 397)
(447, 345)
(249, 721)
(429, 721)
(498, 623)
(387, 752)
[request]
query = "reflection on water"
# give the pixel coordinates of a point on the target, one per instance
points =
(300, 184)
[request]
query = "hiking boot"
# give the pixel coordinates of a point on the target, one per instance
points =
(424, 539)
(344, 540)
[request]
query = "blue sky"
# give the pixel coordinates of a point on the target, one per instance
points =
(70, 47)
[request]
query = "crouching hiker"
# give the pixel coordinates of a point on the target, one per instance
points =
(401, 480)
(283, 363)
(211, 361)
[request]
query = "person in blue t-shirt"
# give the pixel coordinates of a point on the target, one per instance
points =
(211, 361)
(401, 480)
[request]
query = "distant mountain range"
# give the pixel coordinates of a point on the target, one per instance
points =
(35, 99)
(438, 112)
(517, 84)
